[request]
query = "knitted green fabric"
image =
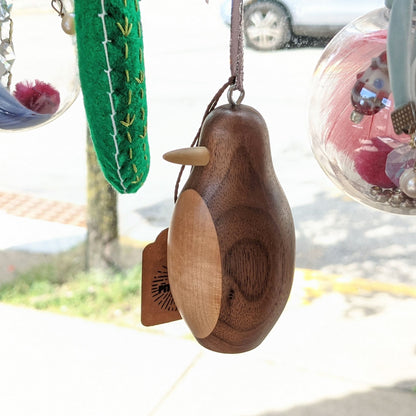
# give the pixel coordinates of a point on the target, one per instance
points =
(111, 69)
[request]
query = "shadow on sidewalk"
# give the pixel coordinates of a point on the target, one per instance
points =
(340, 236)
(398, 400)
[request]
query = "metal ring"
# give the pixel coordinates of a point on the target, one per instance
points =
(230, 95)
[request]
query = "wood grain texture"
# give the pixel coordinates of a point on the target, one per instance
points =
(195, 156)
(253, 225)
(193, 240)
(158, 305)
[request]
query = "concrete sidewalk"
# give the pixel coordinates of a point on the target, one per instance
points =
(342, 347)
(331, 353)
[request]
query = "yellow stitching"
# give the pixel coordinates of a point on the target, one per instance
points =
(141, 55)
(129, 137)
(126, 50)
(130, 97)
(139, 178)
(129, 121)
(145, 157)
(144, 132)
(140, 79)
(142, 113)
(127, 75)
(125, 3)
(136, 2)
(127, 27)
(130, 25)
(135, 168)
(144, 147)
(139, 29)
(141, 93)
(131, 153)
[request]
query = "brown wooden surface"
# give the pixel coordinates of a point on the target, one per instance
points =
(194, 156)
(158, 305)
(193, 241)
(254, 228)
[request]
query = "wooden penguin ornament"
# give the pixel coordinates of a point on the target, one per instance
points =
(229, 252)
(231, 242)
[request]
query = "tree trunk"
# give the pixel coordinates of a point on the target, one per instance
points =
(102, 249)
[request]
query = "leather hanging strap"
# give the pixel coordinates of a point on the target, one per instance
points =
(236, 46)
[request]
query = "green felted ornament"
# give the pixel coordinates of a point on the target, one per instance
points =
(111, 69)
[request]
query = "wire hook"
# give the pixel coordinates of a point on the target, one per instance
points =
(59, 9)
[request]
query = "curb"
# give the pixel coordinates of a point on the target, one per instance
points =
(316, 284)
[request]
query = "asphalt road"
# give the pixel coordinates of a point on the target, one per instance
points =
(186, 52)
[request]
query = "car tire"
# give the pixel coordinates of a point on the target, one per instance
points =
(266, 26)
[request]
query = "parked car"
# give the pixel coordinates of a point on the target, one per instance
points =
(271, 24)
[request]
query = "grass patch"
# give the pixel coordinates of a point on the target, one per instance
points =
(61, 286)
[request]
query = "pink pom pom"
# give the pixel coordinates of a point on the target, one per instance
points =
(370, 161)
(39, 97)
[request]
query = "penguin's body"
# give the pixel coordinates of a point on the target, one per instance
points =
(231, 243)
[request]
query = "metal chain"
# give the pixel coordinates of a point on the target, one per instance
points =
(9, 78)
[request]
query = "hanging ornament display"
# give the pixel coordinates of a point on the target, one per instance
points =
(111, 66)
(352, 112)
(231, 245)
(38, 68)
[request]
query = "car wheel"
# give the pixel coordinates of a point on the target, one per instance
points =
(266, 26)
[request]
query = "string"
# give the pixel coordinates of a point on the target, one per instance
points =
(235, 82)
(211, 107)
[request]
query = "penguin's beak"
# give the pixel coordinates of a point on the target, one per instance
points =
(194, 156)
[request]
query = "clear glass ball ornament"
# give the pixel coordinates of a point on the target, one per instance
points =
(350, 118)
(38, 63)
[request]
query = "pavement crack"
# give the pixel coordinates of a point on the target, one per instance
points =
(176, 383)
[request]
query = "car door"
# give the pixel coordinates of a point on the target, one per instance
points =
(329, 12)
